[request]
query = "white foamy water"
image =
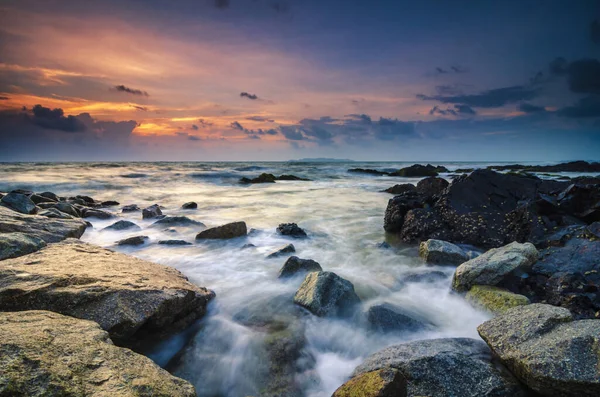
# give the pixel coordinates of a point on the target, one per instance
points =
(343, 215)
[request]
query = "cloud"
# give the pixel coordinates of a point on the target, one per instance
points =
(54, 119)
(4, 98)
(584, 76)
(595, 31)
(444, 112)
(236, 126)
(195, 127)
(280, 7)
(291, 132)
(122, 88)
(465, 109)
(260, 118)
(194, 138)
(448, 89)
(222, 4)
(586, 107)
(452, 69)
(529, 108)
(203, 123)
(457, 111)
(249, 96)
(138, 107)
(559, 66)
(487, 99)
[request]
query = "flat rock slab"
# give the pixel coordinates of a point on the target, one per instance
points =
(48, 229)
(129, 297)
(48, 354)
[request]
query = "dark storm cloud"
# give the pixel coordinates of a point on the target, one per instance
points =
(584, 76)
(221, 4)
(54, 119)
(487, 99)
(133, 91)
(249, 96)
(529, 108)
(595, 31)
(260, 118)
(236, 126)
(584, 108)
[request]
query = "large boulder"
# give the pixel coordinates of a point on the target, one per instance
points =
(445, 367)
(494, 299)
(386, 317)
(386, 382)
(291, 230)
(49, 230)
(326, 294)
(48, 354)
(230, 230)
(442, 252)
(418, 170)
(294, 266)
(13, 245)
(129, 297)
(432, 186)
(495, 266)
(150, 212)
(19, 202)
(548, 351)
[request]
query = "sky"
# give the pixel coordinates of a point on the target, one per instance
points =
(244, 80)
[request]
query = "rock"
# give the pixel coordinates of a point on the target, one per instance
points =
(593, 230)
(399, 206)
(174, 242)
(94, 213)
(54, 213)
(151, 212)
(445, 367)
(262, 178)
(386, 317)
(384, 245)
(123, 225)
(246, 246)
(136, 240)
(286, 249)
(494, 266)
(432, 186)
(22, 191)
(291, 229)
(110, 203)
(48, 354)
(494, 299)
(548, 351)
(190, 206)
(442, 252)
(85, 199)
(230, 230)
(19, 202)
(37, 199)
(129, 297)
(399, 189)
(49, 230)
(13, 245)
(573, 166)
(385, 382)
(427, 277)
(367, 171)
(50, 195)
(130, 208)
(170, 221)
(295, 265)
(326, 294)
(67, 209)
(290, 178)
(464, 170)
(418, 170)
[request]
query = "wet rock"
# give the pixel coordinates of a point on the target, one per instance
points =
(174, 242)
(286, 249)
(22, 191)
(445, 367)
(593, 230)
(262, 178)
(464, 170)
(426, 277)
(384, 245)
(48, 354)
(399, 206)
(294, 266)
(399, 189)
(94, 213)
(135, 240)
(418, 170)
(572, 166)
(130, 208)
(67, 209)
(170, 221)
(50, 195)
(85, 199)
(49, 230)
(13, 245)
(494, 299)
(548, 351)
(122, 225)
(190, 206)
(291, 229)
(285, 177)
(432, 186)
(385, 382)
(110, 203)
(19, 202)
(129, 297)
(367, 171)
(386, 317)
(494, 266)
(442, 252)
(228, 231)
(37, 199)
(246, 246)
(151, 212)
(326, 294)
(54, 213)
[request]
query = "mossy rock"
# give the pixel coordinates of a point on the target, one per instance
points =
(386, 382)
(494, 299)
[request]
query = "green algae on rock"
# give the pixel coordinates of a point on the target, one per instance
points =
(494, 299)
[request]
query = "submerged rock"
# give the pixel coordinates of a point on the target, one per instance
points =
(13, 245)
(19, 202)
(49, 230)
(48, 354)
(262, 178)
(151, 212)
(494, 299)
(295, 265)
(442, 252)
(548, 351)
(135, 240)
(418, 170)
(286, 249)
(228, 231)
(130, 208)
(291, 229)
(386, 382)
(170, 221)
(122, 225)
(367, 171)
(190, 206)
(326, 294)
(95, 213)
(174, 242)
(494, 266)
(386, 317)
(129, 297)
(285, 177)
(445, 367)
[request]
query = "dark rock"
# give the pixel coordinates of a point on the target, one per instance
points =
(418, 170)
(464, 170)
(593, 229)
(24, 192)
(384, 245)
(386, 317)
(13, 245)
(110, 203)
(86, 199)
(286, 249)
(442, 252)
(445, 367)
(432, 186)
(151, 212)
(386, 382)
(136, 240)
(130, 208)
(230, 230)
(573, 166)
(246, 246)
(290, 178)
(548, 351)
(190, 206)
(50, 195)
(67, 209)
(399, 189)
(54, 213)
(37, 199)
(426, 277)
(19, 202)
(291, 229)
(398, 207)
(49, 230)
(326, 294)
(262, 178)
(367, 171)
(122, 225)
(174, 242)
(94, 213)
(170, 221)
(294, 266)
